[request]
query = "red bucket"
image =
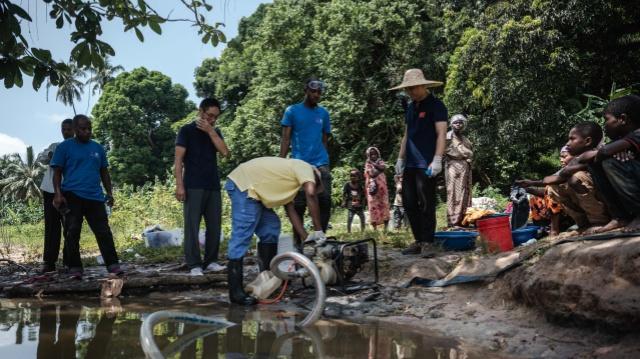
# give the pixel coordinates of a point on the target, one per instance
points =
(496, 233)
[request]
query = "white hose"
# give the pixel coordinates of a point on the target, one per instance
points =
(149, 346)
(309, 269)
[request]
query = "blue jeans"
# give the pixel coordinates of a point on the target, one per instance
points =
(249, 216)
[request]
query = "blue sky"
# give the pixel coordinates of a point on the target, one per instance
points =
(28, 119)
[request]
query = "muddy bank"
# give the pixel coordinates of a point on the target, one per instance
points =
(591, 282)
(588, 288)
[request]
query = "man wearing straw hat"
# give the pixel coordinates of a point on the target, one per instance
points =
(420, 158)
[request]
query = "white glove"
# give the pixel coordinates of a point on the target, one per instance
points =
(435, 167)
(399, 166)
(316, 236)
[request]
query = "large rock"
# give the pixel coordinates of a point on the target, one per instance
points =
(592, 281)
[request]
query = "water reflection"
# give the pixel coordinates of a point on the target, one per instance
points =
(90, 330)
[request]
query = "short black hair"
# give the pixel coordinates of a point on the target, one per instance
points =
(629, 105)
(78, 118)
(590, 129)
(67, 121)
(209, 102)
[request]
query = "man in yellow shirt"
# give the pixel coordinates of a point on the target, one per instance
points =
(255, 188)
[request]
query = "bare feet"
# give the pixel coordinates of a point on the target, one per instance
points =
(589, 230)
(612, 225)
(633, 226)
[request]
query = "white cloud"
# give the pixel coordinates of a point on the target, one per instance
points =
(10, 144)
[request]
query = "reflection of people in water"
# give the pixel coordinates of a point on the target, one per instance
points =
(97, 347)
(64, 346)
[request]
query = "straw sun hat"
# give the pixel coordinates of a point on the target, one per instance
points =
(415, 77)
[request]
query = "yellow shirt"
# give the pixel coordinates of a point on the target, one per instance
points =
(274, 181)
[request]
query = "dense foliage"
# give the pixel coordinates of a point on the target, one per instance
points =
(133, 119)
(517, 69)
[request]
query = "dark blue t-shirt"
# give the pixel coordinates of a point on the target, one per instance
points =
(307, 127)
(81, 164)
(200, 160)
(421, 121)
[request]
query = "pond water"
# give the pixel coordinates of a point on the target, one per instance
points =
(86, 328)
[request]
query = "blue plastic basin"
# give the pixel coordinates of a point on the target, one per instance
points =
(523, 235)
(456, 240)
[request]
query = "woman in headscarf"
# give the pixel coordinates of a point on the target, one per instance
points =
(458, 157)
(376, 188)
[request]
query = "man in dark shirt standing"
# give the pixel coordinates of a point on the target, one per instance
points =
(420, 158)
(198, 185)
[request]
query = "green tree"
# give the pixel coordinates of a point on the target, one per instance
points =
(70, 86)
(18, 58)
(100, 77)
(20, 179)
(133, 119)
(520, 70)
(517, 69)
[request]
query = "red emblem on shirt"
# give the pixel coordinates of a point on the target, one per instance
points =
(422, 114)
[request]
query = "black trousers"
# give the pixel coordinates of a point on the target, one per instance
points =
(52, 232)
(324, 202)
(352, 213)
(619, 185)
(96, 215)
(419, 201)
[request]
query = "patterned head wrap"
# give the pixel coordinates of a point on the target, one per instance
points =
(457, 118)
(373, 149)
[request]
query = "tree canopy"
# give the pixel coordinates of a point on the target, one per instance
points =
(18, 58)
(133, 119)
(517, 69)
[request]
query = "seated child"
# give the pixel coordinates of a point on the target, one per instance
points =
(573, 186)
(616, 166)
(353, 198)
(544, 210)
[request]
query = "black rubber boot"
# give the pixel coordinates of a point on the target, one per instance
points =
(236, 287)
(266, 252)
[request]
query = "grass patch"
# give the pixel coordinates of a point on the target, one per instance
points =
(154, 204)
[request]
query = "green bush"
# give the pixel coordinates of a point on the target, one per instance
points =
(15, 213)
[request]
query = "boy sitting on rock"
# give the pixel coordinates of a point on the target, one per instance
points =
(616, 167)
(573, 186)
(543, 208)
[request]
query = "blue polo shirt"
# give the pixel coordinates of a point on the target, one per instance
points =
(200, 160)
(307, 126)
(421, 121)
(81, 164)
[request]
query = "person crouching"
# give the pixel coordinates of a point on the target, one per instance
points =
(255, 188)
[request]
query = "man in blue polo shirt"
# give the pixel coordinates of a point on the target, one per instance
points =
(198, 185)
(83, 164)
(305, 129)
(420, 158)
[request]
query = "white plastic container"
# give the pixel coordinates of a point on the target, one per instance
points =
(264, 285)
